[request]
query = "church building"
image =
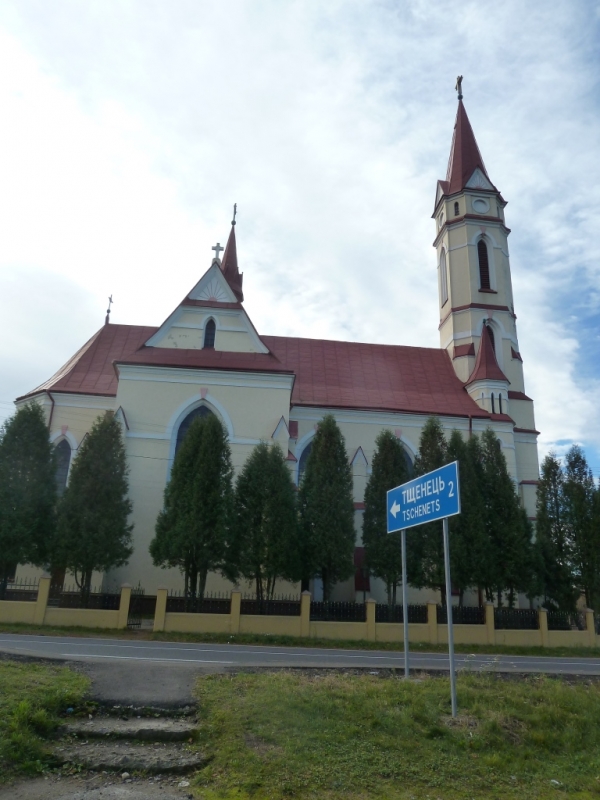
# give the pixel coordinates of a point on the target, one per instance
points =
(208, 358)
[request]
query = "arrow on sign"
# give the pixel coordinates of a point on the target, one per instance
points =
(395, 509)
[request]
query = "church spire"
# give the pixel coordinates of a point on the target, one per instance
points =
(486, 365)
(465, 157)
(229, 265)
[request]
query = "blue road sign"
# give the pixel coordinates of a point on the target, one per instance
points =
(425, 499)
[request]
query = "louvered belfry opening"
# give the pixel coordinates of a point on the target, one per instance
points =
(484, 265)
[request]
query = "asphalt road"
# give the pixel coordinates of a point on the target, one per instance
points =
(221, 657)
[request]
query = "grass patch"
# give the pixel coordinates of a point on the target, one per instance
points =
(293, 641)
(335, 735)
(31, 698)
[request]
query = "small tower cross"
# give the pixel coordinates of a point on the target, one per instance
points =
(217, 248)
(110, 302)
(234, 213)
(458, 86)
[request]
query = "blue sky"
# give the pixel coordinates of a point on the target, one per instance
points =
(132, 127)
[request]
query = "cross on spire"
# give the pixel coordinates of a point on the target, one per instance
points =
(458, 86)
(217, 248)
(110, 302)
(234, 213)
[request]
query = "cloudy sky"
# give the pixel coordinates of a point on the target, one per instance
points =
(129, 129)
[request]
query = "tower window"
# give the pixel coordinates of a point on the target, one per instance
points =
(500, 403)
(209, 334)
(443, 277)
(491, 335)
(63, 460)
(456, 209)
(484, 265)
(493, 404)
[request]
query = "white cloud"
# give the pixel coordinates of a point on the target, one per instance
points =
(134, 127)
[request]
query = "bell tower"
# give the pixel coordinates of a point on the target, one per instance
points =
(478, 324)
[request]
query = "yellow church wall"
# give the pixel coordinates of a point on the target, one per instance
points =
(234, 342)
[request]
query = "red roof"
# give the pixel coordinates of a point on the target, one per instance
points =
(229, 266)
(464, 154)
(486, 365)
(328, 374)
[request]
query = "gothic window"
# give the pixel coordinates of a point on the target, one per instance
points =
(444, 277)
(491, 335)
(493, 404)
(201, 411)
(456, 209)
(500, 403)
(63, 459)
(303, 461)
(484, 265)
(209, 334)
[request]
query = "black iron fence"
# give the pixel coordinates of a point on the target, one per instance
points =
(338, 612)
(179, 603)
(24, 590)
(386, 613)
(71, 597)
(462, 615)
(516, 619)
(275, 608)
(566, 621)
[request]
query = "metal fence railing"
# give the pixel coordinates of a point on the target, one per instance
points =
(566, 621)
(178, 602)
(386, 613)
(516, 619)
(275, 608)
(97, 600)
(462, 615)
(338, 612)
(24, 590)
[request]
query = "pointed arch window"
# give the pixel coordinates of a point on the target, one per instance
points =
(200, 412)
(210, 330)
(456, 209)
(444, 277)
(490, 331)
(493, 404)
(484, 265)
(500, 403)
(63, 461)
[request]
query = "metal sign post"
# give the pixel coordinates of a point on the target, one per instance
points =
(430, 497)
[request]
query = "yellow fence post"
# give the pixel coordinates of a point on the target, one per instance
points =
(371, 636)
(124, 606)
(490, 623)
(590, 627)
(543, 618)
(236, 606)
(160, 611)
(42, 601)
(305, 614)
(432, 622)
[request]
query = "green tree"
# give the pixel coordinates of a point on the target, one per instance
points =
(578, 495)
(468, 542)
(266, 524)
(425, 544)
(327, 509)
(94, 533)
(192, 529)
(27, 491)
(507, 527)
(552, 543)
(383, 553)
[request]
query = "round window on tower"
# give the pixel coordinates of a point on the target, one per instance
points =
(480, 206)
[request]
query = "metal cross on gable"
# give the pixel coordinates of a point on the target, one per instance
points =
(217, 248)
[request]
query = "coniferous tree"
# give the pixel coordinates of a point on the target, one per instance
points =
(468, 542)
(27, 492)
(578, 495)
(193, 528)
(94, 532)
(383, 552)
(265, 539)
(508, 530)
(326, 509)
(552, 542)
(425, 543)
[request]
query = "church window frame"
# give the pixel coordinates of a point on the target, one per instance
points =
(443, 277)
(493, 404)
(456, 209)
(210, 334)
(63, 464)
(500, 402)
(483, 261)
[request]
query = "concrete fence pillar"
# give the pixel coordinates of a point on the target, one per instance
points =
(432, 622)
(305, 614)
(124, 606)
(543, 618)
(371, 604)
(236, 607)
(490, 623)
(160, 611)
(590, 627)
(42, 601)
